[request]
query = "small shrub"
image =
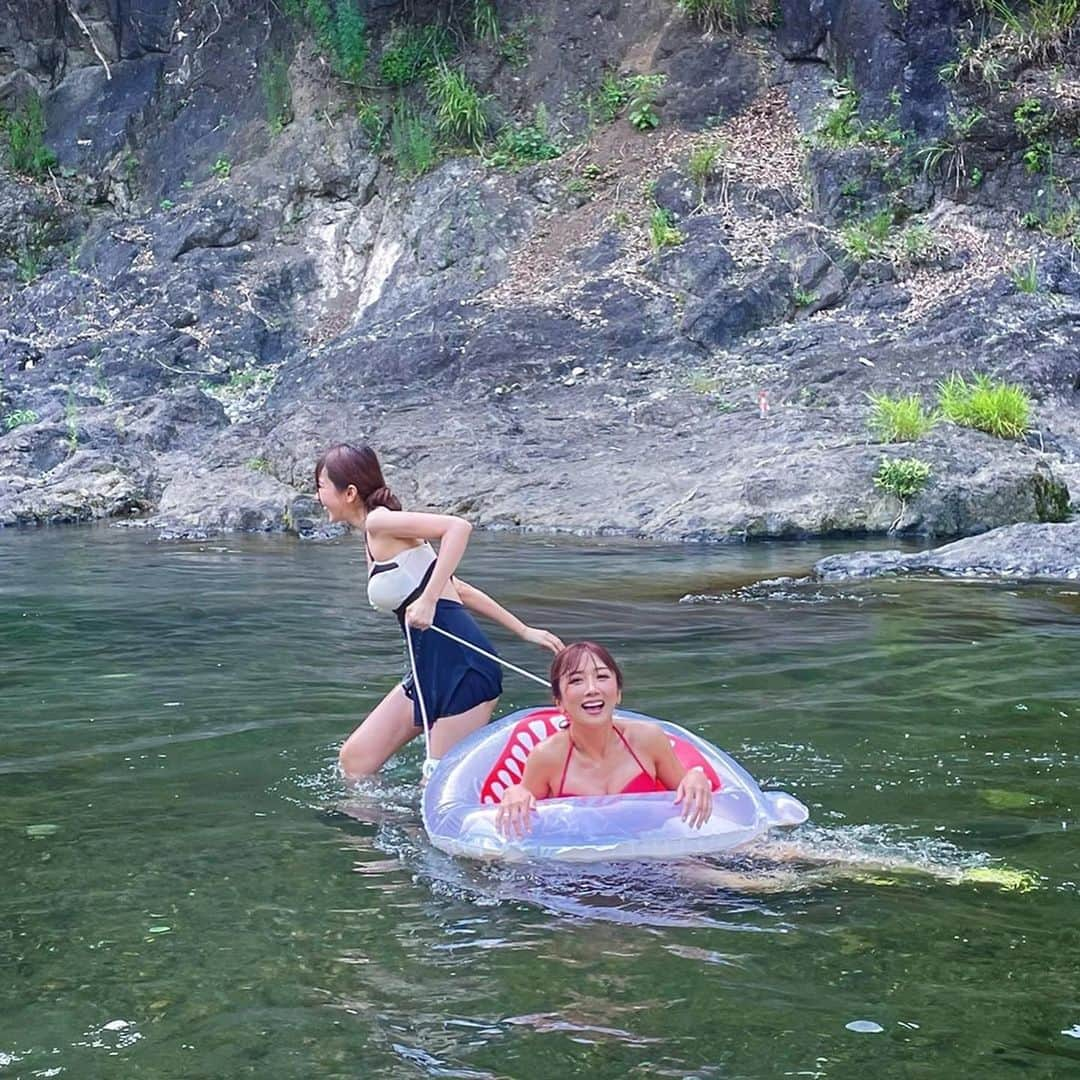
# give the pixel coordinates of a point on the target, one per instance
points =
(903, 419)
(412, 142)
(866, 239)
(459, 108)
(997, 408)
(514, 47)
(19, 417)
(485, 21)
(373, 123)
(524, 145)
(641, 112)
(803, 298)
(902, 477)
(662, 232)
(839, 127)
(222, 168)
(610, 96)
(277, 92)
(340, 33)
(413, 53)
(350, 48)
(27, 151)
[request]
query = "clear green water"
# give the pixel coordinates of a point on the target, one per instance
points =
(188, 890)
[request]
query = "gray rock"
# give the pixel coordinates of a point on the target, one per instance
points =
(1016, 551)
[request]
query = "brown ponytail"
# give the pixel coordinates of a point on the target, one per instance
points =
(358, 466)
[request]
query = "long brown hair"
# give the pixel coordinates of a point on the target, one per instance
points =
(572, 659)
(359, 466)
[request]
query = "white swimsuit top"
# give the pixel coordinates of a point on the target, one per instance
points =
(391, 583)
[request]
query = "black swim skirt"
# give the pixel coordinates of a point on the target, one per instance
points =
(453, 677)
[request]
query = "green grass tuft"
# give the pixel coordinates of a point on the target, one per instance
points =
(412, 142)
(998, 408)
(903, 419)
(458, 105)
(25, 129)
(662, 232)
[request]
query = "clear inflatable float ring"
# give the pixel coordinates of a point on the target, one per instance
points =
(461, 797)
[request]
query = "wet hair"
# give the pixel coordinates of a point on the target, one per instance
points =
(359, 466)
(572, 659)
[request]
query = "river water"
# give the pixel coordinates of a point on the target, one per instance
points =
(188, 890)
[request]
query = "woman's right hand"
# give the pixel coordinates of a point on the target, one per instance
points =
(544, 638)
(512, 819)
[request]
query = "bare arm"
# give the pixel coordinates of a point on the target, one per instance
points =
(691, 786)
(452, 534)
(518, 801)
(477, 600)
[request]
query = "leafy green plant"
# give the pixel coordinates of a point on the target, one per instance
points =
(946, 156)
(166, 204)
(340, 33)
(998, 408)
(25, 129)
(641, 111)
(412, 141)
(222, 168)
(485, 21)
(459, 108)
(18, 417)
(610, 96)
(1026, 277)
(517, 146)
(373, 122)
(413, 52)
(803, 298)
(277, 92)
(901, 419)
(258, 464)
(904, 478)
(514, 46)
(662, 231)
(865, 239)
(839, 126)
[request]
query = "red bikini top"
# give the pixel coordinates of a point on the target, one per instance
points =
(642, 784)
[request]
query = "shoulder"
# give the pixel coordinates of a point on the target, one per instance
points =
(379, 521)
(645, 735)
(552, 749)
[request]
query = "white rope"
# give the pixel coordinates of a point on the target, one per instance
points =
(429, 761)
(490, 656)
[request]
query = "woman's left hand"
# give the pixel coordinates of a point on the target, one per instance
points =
(695, 794)
(420, 614)
(544, 638)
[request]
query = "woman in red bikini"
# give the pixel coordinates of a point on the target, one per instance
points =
(596, 756)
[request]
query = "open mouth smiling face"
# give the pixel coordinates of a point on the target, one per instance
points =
(590, 693)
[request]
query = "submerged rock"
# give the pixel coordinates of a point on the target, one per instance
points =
(1018, 551)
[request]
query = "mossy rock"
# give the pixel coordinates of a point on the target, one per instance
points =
(1051, 499)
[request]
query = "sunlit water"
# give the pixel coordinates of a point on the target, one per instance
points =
(188, 890)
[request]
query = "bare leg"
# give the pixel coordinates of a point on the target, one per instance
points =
(450, 730)
(388, 727)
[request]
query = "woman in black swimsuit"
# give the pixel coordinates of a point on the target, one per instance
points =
(459, 687)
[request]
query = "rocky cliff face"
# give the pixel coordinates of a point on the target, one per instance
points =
(214, 281)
